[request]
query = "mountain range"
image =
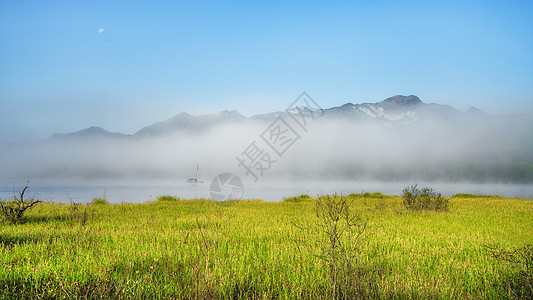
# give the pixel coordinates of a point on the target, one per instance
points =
(399, 138)
(394, 111)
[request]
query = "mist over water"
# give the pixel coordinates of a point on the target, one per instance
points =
(467, 155)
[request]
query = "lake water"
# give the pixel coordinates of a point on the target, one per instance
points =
(143, 191)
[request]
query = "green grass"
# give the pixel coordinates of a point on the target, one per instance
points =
(99, 201)
(475, 196)
(176, 248)
(167, 198)
(297, 199)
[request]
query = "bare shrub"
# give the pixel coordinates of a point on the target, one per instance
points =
(13, 210)
(423, 199)
(78, 215)
(207, 235)
(520, 267)
(335, 237)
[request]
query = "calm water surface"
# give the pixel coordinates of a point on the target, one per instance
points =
(143, 191)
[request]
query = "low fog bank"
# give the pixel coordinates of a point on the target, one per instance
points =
(172, 156)
(428, 151)
(478, 150)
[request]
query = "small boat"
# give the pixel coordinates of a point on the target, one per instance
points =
(194, 180)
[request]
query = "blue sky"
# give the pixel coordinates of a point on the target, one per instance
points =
(154, 59)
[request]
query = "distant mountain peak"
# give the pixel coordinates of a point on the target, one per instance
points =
(183, 115)
(93, 131)
(347, 105)
(230, 112)
(475, 111)
(234, 114)
(225, 115)
(400, 101)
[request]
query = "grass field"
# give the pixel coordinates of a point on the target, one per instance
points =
(175, 248)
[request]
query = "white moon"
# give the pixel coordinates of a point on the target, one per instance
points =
(101, 30)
